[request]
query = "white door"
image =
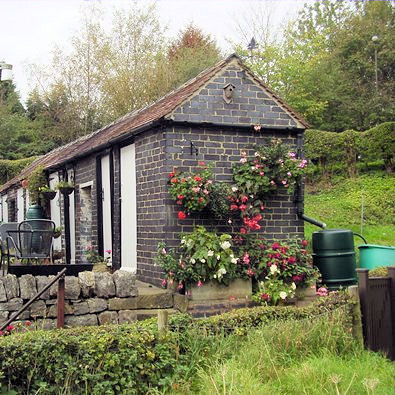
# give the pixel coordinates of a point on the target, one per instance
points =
(128, 209)
(4, 207)
(55, 209)
(106, 206)
(20, 205)
(72, 222)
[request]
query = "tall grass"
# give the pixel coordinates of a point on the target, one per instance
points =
(292, 357)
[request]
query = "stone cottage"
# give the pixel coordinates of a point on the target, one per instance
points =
(121, 201)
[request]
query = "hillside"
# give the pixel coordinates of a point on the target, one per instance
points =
(340, 206)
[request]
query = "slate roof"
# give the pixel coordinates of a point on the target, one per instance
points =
(135, 120)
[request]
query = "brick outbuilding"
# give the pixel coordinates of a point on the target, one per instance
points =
(121, 201)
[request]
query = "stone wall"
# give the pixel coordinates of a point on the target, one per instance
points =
(92, 298)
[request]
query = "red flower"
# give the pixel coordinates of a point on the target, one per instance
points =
(244, 199)
(179, 202)
(265, 296)
(183, 179)
(304, 243)
(1, 333)
(297, 278)
(28, 323)
(275, 246)
(10, 328)
(242, 207)
(292, 260)
(234, 207)
(180, 197)
(250, 272)
(172, 174)
(243, 231)
(181, 215)
(201, 200)
(197, 178)
(262, 246)
(174, 180)
(201, 164)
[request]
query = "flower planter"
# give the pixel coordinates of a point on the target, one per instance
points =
(49, 195)
(212, 290)
(66, 190)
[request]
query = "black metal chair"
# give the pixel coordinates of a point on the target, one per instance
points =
(4, 228)
(31, 241)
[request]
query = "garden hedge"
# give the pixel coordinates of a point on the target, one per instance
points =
(349, 151)
(132, 358)
(10, 168)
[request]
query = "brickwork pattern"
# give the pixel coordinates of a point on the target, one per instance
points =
(251, 104)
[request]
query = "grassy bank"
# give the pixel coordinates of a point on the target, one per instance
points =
(340, 206)
(292, 357)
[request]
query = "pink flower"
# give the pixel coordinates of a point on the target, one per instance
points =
(243, 231)
(180, 286)
(1, 333)
(261, 173)
(250, 272)
(234, 207)
(246, 258)
(257, 128)
(292, 260)
(164, 252)
(202, 164)
(265, 296)
(195, 189)
(205, 191)
(107, 251)
(164, 283)
(272, 182)
(304, 243)
(243, 160)
(10, 328)
(291, 154)
(275, 246)
(322, 291)
(28, 323)
(289, 174)
(200, 284)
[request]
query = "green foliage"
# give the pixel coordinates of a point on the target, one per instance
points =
(381, 271)
(347, 152)
(101, 360)
(219, 200)
(37, 180)
(11, 168)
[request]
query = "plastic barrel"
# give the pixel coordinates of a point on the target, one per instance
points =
(334, 255)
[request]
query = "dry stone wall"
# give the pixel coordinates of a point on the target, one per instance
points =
(92, 298)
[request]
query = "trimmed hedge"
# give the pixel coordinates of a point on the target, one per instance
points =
(133, 358)
(349, 151)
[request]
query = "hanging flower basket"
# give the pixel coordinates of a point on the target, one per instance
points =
(49, 195)
(66, 190)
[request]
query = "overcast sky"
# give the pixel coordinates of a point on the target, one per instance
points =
(29, 29)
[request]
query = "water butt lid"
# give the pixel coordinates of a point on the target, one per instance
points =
(333, 239)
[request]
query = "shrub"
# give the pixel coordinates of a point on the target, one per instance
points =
(97, 360)
(10, 168)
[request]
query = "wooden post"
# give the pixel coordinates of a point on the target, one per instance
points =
(363, 287)
(357, 331)
(391, 273)
(163, 317)
(60, 320)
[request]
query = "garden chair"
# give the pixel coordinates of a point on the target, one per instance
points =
(4, 228)
(31, 241)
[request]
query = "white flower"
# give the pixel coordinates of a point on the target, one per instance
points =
(293, 286)
(183, 241)
(193, 261)
(283, 295)
(234, 260)
(231, 255)
(215, 276)
(210, 253)
(218, 257)
(235, 189)
(225, 245)
(203, 260)
(221, 272)
(273, 269)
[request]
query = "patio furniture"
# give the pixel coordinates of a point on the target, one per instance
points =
(31, 241)
(4, 228)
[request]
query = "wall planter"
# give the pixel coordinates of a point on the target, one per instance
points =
(48, 195)
(212, 290)
(66, 190)
(47, 270)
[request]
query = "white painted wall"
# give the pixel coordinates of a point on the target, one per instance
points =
(55, 209)
(72, 223)
(20, 203)
(128, 209)
(4, 208)
(106, 196)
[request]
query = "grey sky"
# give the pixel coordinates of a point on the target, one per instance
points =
(30, 28)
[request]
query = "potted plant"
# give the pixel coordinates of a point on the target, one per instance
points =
(47, 193)
(57, 232)
(65, 187)
(206, 266)
(36, 181)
